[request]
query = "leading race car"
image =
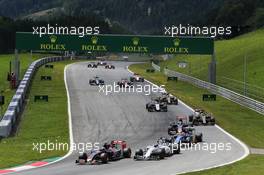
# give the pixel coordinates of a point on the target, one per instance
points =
(201, 117)
(96, 81)
(136, 78)
(150, 153)
(92, 65)
(93, 157)
(109, 66)
(117, 149)
(156, 106)
(125, 83)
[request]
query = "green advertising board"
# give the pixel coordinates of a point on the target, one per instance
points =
(116, 43)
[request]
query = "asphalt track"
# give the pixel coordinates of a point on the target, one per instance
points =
(97, 117)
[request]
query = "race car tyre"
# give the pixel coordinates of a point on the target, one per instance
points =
(162, 154)
(178, 150)
(139, 152)
(127, 153)
(104, 158)
(199, 137)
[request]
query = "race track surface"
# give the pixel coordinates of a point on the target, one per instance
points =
(97, 117)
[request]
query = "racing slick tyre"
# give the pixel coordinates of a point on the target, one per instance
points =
(127, 153)
(139, 152)
(162, 154)
(104, 158)
(198, 137)
(178, 150)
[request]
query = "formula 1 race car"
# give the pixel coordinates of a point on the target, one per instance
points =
(94, 157)
(117, 149)
(200, 117)
(169, 99)
(173, 127)
(96, 81)
(109, 66)
(157, 106)
(92, 65)
(188, 135)
(150, 153)
(101, 63)
(170, 145)
(136, 78)
(125, 83)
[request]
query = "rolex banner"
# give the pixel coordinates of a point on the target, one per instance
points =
(116, 43)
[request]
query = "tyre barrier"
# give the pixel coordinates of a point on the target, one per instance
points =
(17, 103)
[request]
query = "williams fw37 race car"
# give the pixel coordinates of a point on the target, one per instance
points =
(136, 78)
(92, 65)
(116, 150)
(150, 153)
(109, 66)
(200, 117)
(124, 83)
(96, 81)
(156, 106)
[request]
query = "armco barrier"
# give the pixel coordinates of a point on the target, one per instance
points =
(156, 67)
(16, 105)
(226, 93)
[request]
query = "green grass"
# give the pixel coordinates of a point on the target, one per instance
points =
(41, 121)
(245, 124)
(25, 60)
(230, 56)
(252, 165)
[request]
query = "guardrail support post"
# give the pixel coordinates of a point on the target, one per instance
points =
(212, 70)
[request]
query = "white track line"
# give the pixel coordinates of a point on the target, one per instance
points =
(246, 150)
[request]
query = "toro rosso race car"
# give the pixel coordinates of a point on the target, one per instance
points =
(92, 65)
(116, 150)
(109, 66)
(136, 78)
(150, 153)
(200, 117)
(96, 81)
(156, 106)
(125, 83)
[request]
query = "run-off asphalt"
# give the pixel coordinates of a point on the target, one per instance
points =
(97, 117)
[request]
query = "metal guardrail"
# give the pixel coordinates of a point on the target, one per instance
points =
(156, 67)
(226, 93)
(18, 101)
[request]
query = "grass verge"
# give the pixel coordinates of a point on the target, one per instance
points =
(42, 121)
(251, 165)
(25, 61)
(241, 122)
